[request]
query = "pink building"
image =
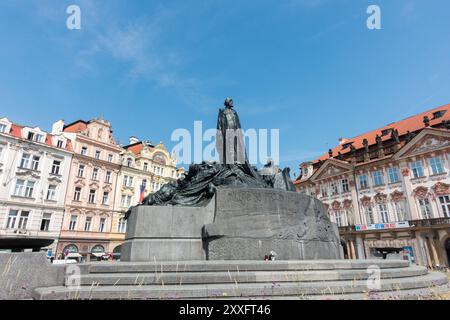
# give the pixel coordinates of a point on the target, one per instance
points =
(87, 225)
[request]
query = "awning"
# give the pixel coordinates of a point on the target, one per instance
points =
(74, 255)
(98, 254)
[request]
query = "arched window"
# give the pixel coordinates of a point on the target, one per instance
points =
(71, 248)
(98, 249)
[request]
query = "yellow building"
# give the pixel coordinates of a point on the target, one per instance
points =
(143, 166)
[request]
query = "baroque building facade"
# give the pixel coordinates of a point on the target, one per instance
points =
(144, 169)
(389, 189)
(87, 228)
(34, 171)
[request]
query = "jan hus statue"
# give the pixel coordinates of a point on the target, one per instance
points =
(229, 137)
(233, 170)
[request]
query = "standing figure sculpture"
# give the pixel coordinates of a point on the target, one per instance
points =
(234, 170)
(229, 137)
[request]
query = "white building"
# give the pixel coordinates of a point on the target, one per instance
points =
(34, 167)
(389, 189)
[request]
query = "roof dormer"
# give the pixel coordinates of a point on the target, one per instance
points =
(5, 125)
(34, 134)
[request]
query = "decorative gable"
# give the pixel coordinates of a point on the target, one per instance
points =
(426, 141)
(331, 168)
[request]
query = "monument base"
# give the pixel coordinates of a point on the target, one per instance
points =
(237, 224)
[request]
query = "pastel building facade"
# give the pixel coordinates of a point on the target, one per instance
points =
(389, 189)
(144, 169)
(34, 171)
(87, 227)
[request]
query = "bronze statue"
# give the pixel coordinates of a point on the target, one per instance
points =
(199, 184)
(229, 138)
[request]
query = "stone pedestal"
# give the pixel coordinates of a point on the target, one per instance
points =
(237, 224)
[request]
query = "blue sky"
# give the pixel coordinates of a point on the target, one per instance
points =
(308, 67)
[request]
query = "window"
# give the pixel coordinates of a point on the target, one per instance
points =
(363, 184)
(59, 144)
(162, 171)
(25, 161)
(105, 197)
(38, 138)
(29, 188)
(80, 170)
(122, 226)
(101, 226)
(77, 194)
(23, 220)
(425, 208)
(94, 174)
(445, 205)
(125, 201)
(56, 166)
(129, 162)
(12, 217)
(84, 151)
(323, 190)
(24, 188)
(110, 157)
(30, 136)
(51, 192)
(97, 154)
(18, 190)
(45, 222)
(339, 218)
(87, 224)
(436, 165)
(108, 177)
(128, 181)
(417, 169)
(144, 183)
(145, 166)
(377, 178)
(334, 188)
(393, 175)
(73, 222)
(91, 196)
(35, 163)
(344, 184)
(2, 127)
(382, 208)
(369, 215)
(400, 210)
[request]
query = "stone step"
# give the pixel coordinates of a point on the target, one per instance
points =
(301, 290)
(213, 266)
(242, 276)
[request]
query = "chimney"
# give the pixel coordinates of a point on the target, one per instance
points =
(57, 127)
(133, 140)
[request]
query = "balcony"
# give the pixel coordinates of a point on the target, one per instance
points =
(414, 224)
(428, 223)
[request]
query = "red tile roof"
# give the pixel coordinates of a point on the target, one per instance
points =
(411, 124)
(16, 131)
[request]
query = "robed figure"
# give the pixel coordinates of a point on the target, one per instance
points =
(229, 137)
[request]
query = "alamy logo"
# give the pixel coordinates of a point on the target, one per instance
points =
(73, 279)
(374, 278)
(374, 20)
(73, 22)
(227, 147)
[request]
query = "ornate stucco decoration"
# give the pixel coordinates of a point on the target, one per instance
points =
(441, 188)
(366, 201)
(421, 192)
(380, 198)
(397, 196)
(336, 205)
